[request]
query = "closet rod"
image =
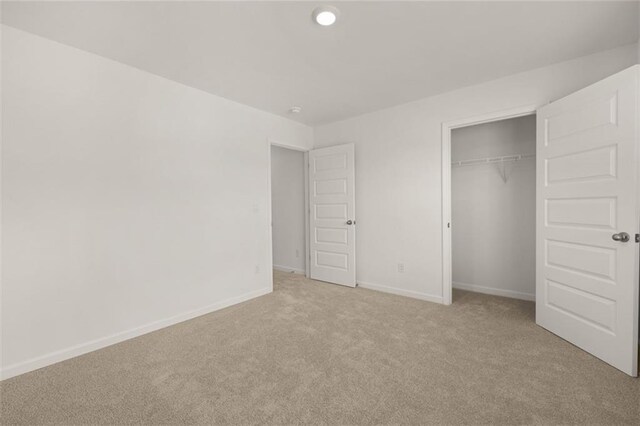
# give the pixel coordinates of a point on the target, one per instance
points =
(492, 160)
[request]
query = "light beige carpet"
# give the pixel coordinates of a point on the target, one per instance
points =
(319, 353)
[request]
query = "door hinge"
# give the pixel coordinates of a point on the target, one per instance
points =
(637, 238)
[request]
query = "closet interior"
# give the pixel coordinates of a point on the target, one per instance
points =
(493, 195)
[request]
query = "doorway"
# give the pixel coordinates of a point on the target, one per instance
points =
(288, 201)
(493, 207)
(312, 212)
(447, 131)
(587, 200)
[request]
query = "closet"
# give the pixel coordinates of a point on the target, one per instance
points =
(493, 195)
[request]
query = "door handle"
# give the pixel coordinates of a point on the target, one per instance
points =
(351, 222)
(623, 237)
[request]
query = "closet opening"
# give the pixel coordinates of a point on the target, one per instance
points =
(489, 190)
(493, 208)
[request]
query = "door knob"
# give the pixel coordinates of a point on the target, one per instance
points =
(623, 237)
(350, 222)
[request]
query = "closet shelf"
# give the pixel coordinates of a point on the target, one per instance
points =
(499, 161)
(492, 160)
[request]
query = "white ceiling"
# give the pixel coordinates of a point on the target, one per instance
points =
(271, 56)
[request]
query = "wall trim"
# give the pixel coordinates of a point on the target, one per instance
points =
(102, 342)
(401, 292)
(495, 291)
(289, 269)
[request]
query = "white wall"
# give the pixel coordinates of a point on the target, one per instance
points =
(287, 206)
(398, 167)
(493, 221)
(129, 201)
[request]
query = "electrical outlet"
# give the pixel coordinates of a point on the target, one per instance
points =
(401, 267)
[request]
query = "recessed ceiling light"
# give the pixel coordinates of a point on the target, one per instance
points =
(295, 110)
(325, 15)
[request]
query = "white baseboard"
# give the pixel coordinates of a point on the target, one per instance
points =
(495, 291)
(401, 292)
(83, 348)
(288, 269)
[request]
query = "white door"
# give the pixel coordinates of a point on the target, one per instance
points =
(332, 217)
(587, 202)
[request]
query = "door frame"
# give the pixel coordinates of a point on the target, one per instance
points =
(305, 151)
(447, 127)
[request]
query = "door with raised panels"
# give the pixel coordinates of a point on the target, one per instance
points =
(332, 217)
(587, 219)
